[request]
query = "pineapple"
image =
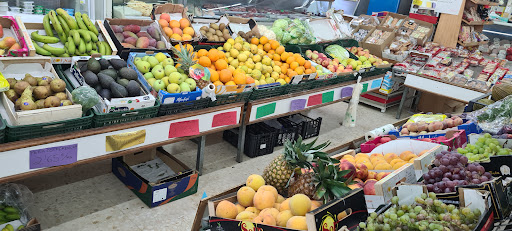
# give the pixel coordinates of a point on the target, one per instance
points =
(329, 180)
(186, 60)
(302, 184)
(297, 155)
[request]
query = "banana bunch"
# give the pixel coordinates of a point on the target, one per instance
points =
(79, 36)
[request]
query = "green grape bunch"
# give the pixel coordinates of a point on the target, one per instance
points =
(426, 213)
(485, 147)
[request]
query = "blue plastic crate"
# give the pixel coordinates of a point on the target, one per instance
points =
(468, 127)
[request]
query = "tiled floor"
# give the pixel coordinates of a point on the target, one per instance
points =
(89, 197)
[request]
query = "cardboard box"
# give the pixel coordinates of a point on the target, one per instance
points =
(365, 27)
(391, 16)
(237, 24)
(124, 51)
(390, 84)
(183, 183)
(498, 165)
(176, 12)
(163, 96)
(325, 30)
(37, 67)
(115, 104)
(12, 29)
(200, 22)
(383, 187)
(423, 40)
(376, 49)
(326, 217)
(28, 28)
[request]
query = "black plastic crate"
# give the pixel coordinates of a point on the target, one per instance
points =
(175, 108)
(308, 127)
(259, 139)
(473, 102)
(285, 131)
(230, 98)
(2, 130)
(292, 88)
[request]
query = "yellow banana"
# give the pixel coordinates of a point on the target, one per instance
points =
(69, 20)
(89, 24)
(46, 24)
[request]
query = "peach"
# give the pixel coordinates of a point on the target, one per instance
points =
(371, 175)
(362, 155)
(283, 217)
(390, 156)
(431, 127)
(413, 127)
(346, 165)
(354, 186)
(255, 181)
(457, 121)
(279, 199)
(277, 206)
(285, 205)
(404, 131)
(300, 204)
(358, 181)
(362, 171)
(422, 152)
(376, 155)
(369, 187)
(297, 222)
(393, 162)
(381, 175)
(265, 219)
(246, 216)
(399, 164)
(404, 154)
(264, 199)
(422, 126)
(253, 210)
(383, 166)
(226, 209)
(409, 156)
(245, 196)
(269, 211)
(240, 208)
(271, 189)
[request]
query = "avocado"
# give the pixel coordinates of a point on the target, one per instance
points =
(133, 88)
(105, 80)
(105, 93)
(118, 91)
(128, 73)
(123, 82)
(93, 65)
(98, 88)
(110, 72)
(90, 78)
(118, 63)
(83, 66)
(104, 64)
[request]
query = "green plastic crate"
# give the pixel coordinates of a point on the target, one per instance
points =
(268, 92)
(25, 132)
(292, 88)
(176, 108)
(2, 130)
(292, 48)
(231, 98)
(106, 119)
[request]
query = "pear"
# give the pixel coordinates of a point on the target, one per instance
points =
(27, 102)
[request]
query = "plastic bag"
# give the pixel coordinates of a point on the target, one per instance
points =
(426, 118)
(4, 85)
(16, 196)
(495, 116)
(351, 113)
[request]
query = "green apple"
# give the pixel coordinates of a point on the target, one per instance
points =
(180, 70)
(175, 77)
(158, 72)
(136, 60)
(158, 85)
(166, 80)
(184, 87)
(183, 77)
(168, 61)
(145, 58)
(173, 88)
(143, 67)
(192, 83)
(160, 56)
(153, 61)
(169, 69)
(149, 75)
(151, 81)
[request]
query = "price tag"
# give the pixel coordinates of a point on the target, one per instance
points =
(55, 156)
(223, 119)
(315, 100)
(376, 83)
(297, 104)
(365, 88)
(328, 97)
(184, 128)
(346, 92)
(265, 110)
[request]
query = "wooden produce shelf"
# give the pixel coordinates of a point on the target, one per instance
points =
(477, 23)
(275, 107)
(15, 157)
(488, 3)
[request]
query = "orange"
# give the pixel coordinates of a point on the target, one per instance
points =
(230, 83)
(213, 55)
(292, 73)
(218, 83)
(267, 47)
(204, 61)
(297, 55)
(279, 49)
(168, 31)
(277, 58)
(271, 52)
(299, 71)
(308, 71)
(286, 65)
(186, 37)
(287, 79)
(186, 46)
(271, 56)
(307, 64)
(260, 47)
(255, 41)
(278, 62)
(249, 80)
(284, 69)
(290, 60)
(240, 78)
(184, 23)
(313, 69)
(176, 37)
(213, 67)
(202, 52)
(188, 30)
(177, 31)
(225, 75)
(263, 40)
(174, 24)
(163, 23)
(165, 16)
(221, 64)
(274, 44)
(284, 56)
(214, 75)
(282, 76)
(238, 71)
(293, 65)
(301, 61)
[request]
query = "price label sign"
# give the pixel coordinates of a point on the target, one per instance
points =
(55, 156)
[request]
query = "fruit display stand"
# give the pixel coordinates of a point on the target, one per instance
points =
(24, 159)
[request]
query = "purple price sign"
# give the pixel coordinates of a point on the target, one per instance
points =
(55, 156)
(297, 104)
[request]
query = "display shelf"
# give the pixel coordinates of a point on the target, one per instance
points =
(280, 106)
(93, 144)
(456, 93)
(487, 3)
(473, 44)
(481, 23)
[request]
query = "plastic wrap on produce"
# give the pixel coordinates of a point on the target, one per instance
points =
(495, 116)
(17, 196)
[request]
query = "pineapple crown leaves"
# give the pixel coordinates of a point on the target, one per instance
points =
(300, 154)
(329, 181)
(185, 55)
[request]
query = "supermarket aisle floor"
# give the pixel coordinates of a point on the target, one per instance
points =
(89, 197)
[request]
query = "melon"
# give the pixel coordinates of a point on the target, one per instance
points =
(500, 91)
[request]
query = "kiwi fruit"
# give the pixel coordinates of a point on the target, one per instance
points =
(52, 101)
(61, 95)
(215, 38)
(30, 79)
(11, 82)
(204, 28)
(219, 33)
(20, 86)
(214, 26)
(222, 26)
(41, 92)
(226, 36)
